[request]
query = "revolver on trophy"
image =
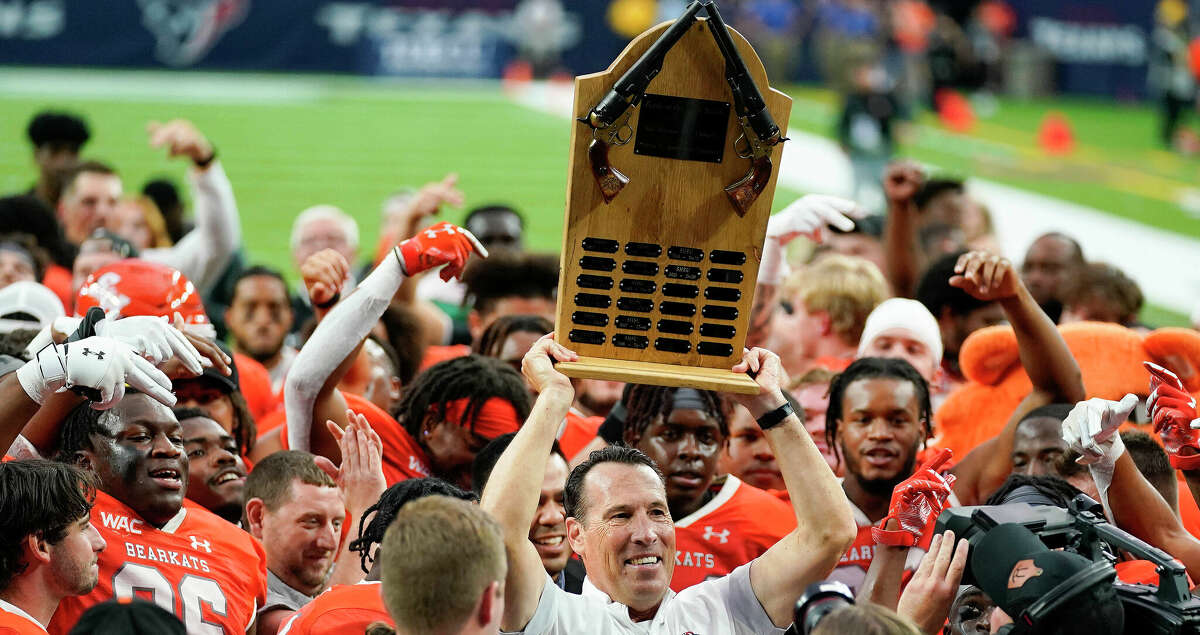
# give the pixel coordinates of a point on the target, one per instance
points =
(609, 119)
(760, 133)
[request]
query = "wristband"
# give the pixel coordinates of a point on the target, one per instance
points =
(892, 537)
(87, 326)
(1186, 463)
(400, 259)
(330, 302)
(204, 163)
(775, 417)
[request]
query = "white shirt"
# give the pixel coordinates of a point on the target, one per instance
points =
(16, 610)
(203, 253)
(726, 606)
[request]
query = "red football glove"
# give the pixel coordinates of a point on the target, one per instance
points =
(441, 244)
(1173, 411)
(916, 503)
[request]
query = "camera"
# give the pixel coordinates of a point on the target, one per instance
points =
(1080, 530)
(819, 600)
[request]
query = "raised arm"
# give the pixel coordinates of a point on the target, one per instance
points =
(361, 481)
(1051, 367)
(404, 223)
(309, 390)
(1130, 500)
(824, 522)
(204, 252)
(807, 216)
(512, 491)
(901, 182)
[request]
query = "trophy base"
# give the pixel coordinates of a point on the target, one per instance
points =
(659, 375)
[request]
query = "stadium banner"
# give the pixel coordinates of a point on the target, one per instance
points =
(1099, 47)
(442, 38)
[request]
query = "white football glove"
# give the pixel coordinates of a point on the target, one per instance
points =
(154, 338)
(1091, 429)
(100, 364)
(807, 216)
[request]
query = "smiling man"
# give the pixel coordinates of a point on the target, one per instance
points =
(879, 410)
(878, 419)
(216, 471)
(720, 522)
(160, 547)
(297, 511)
(619, 521)
(548, 533)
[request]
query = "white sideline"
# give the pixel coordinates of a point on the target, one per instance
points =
(1165, 265)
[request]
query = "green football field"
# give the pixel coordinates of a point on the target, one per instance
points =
(289, 142)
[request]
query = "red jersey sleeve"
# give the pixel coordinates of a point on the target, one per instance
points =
(341, 609)
(402, 457)
(738, 525)
(578, 432)
(255, 383)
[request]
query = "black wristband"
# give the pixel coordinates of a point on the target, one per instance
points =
(775, 417)
(87, 327)
(330, 302)
(204, 163)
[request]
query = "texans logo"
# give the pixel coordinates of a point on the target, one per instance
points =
(186, 30)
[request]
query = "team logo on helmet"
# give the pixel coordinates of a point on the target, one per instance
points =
(103, 290)
(186, 30)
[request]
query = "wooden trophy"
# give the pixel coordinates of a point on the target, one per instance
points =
(669, 191)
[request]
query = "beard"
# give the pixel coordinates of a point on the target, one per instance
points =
(880, 487)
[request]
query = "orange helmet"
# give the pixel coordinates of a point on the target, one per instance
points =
(137, 287)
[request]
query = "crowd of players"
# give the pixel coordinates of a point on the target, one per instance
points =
(157, 481)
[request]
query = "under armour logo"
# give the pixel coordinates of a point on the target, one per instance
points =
(200, 544)
(99, 354)
(709, 534)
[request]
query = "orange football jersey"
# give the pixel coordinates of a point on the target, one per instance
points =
(402, 457)
(344, 608)
(578, 432)
(852, 568)
(210, 574)
(738, 525)
(14, 621)
(255, 383)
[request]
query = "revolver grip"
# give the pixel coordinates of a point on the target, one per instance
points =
(610, 179)
(743, 192)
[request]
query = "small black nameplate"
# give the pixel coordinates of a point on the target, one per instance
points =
(682, 128)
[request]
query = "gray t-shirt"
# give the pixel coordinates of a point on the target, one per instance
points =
(726, 606)
(282, 596)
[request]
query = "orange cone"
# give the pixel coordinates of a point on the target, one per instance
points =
(954, 110)
(1055, 136)
(516, 76)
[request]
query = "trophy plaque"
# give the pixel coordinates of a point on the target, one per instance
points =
(670, 183)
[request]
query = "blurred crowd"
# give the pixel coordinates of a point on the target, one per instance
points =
(196, 445)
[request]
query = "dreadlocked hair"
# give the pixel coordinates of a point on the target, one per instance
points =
(389, 504)
(644, 404)
(471, 377)
(1054, 488)
(491, 343)
(874, 368)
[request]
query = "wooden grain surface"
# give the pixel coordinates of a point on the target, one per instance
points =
(667, 202)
